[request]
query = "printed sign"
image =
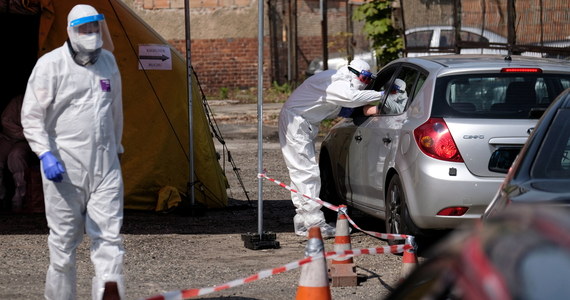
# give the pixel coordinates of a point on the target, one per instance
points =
(155, 57)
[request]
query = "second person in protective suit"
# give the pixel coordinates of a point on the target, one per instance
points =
(72, 117)
(319, 97)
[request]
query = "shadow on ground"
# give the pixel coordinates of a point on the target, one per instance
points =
(238, 217)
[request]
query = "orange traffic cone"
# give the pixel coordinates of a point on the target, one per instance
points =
(409, 259)
(314, 282)
(342, 270)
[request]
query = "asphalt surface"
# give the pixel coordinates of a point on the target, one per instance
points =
(240, 121)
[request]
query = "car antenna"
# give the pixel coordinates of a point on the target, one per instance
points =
(509, 53)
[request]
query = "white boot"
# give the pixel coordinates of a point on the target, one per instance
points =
(317, 218)
(299, 224)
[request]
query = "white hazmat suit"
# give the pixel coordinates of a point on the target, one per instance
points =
(396, 100)
(73, 120)
(319, 97)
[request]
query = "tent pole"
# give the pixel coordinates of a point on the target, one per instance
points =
(190, 118)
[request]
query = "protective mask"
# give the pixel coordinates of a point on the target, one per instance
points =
(357, 84)
(88, 42)
(84, 58)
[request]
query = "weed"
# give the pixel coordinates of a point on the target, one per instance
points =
(224, 93)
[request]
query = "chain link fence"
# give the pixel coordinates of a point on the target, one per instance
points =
(527, 27)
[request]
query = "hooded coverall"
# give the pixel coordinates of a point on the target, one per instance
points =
(75, 112)
(319, 97)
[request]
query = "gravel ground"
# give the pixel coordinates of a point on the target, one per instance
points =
(170, 252)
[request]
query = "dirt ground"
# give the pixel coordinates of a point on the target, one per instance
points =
(178, 251)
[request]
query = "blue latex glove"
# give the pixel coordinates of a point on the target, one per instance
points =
(52, 167)
(345, 112)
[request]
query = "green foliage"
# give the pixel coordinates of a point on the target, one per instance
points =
(284, 88)
(224, 92)
(386, 40)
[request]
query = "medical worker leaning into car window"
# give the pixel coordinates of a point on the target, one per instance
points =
(319, 97)
(73, 120)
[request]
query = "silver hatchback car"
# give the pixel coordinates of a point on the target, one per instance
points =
(438, 163)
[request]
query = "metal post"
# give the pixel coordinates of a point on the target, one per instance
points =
(260, 116)
(324, 33)
(457, 26)
(262, 239)
(511, 27)
(190, 118)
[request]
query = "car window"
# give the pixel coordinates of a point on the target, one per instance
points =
(421, 80)
(473, 37)
(382, 81)
(553, 158)
(447, 38)
(397, 100)
(419, 39)
(504, 95)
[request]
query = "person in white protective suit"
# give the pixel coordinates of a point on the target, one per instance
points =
(397, 98)
(319, 97)
(72, 118)
(395, 101)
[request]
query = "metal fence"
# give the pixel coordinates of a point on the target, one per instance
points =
(527, 27)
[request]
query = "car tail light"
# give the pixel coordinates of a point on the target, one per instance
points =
(435, 140)
(454, 211)
(521, 70)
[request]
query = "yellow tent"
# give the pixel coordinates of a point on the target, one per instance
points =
(155, 108)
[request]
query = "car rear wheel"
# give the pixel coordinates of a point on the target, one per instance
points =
(397, 216)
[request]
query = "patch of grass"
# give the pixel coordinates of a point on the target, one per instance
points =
(275, 94)
(326, 125)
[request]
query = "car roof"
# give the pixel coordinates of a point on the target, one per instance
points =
(486, 62)
(484, 32)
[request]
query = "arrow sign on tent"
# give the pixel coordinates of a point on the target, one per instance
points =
(150, 57)
(155, 57)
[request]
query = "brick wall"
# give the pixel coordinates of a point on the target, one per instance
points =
(224, 37)
(225, 63)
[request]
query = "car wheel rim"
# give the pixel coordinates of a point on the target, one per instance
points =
(394, 210)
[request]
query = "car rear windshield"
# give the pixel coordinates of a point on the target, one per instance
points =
(498, 95)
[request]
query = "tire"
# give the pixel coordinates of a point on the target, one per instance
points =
(328, 191)
(397, 219)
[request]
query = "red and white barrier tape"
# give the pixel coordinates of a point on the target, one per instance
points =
(385, 236)
(190, 293)
(281, 184)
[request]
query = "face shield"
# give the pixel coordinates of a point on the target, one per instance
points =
(398, 91)
(398, 87)
(87, 30)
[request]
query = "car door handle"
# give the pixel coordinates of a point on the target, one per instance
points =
(387, 140)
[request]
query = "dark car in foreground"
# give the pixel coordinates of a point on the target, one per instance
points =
(541, 172)
(521, 253)
(437, 161)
